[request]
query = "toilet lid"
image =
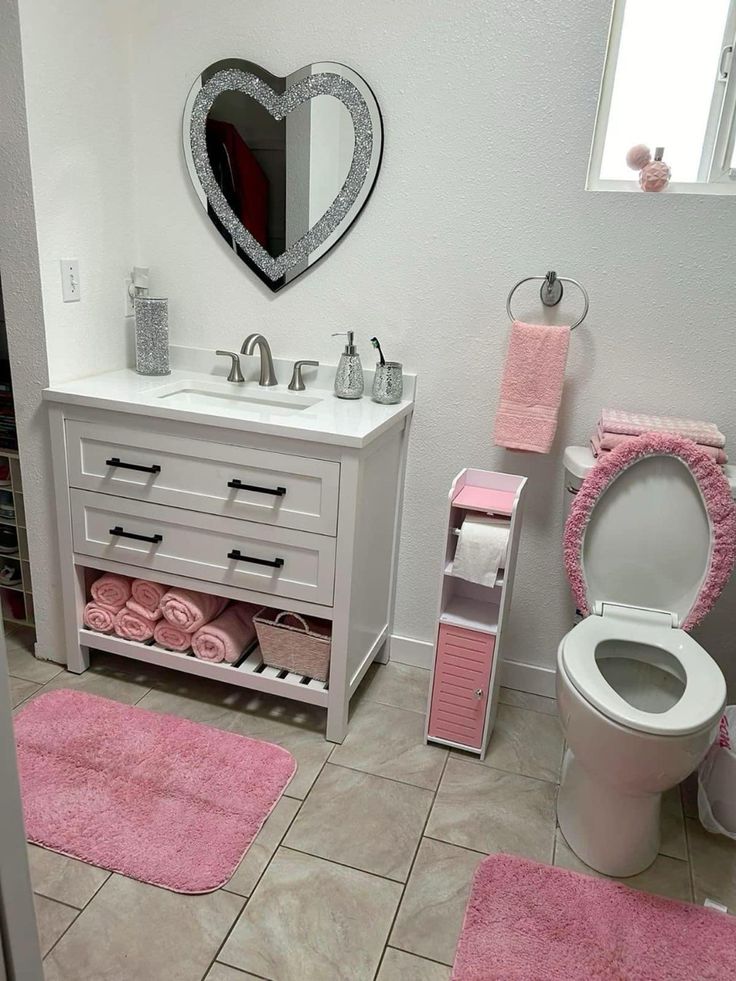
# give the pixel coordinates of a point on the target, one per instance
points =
(653, 527)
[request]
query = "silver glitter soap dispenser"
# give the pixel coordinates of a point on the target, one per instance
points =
(349, 374)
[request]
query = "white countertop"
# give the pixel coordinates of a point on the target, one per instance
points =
(207, 398)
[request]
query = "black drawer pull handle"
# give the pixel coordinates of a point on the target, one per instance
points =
(236, 554)
(116, 462)
(276, 491)
(119, 533)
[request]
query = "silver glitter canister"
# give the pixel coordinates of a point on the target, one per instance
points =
(388, 383)
(151, 335)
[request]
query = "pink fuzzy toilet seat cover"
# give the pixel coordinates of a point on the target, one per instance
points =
(713, 486)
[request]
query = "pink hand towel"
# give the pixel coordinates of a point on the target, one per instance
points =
(144, 611)
(225, 638)
(100, 618)
(531, 387)
(189, 610)
(148, 594)
(636, 423)
(111, 590)
(130, 626)
(172, 638)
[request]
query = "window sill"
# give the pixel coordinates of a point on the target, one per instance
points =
(725, 188)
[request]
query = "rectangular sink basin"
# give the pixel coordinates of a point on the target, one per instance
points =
(233, 398)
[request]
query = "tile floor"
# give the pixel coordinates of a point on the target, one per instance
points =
(363, 869)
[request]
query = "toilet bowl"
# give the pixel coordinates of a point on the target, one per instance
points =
(649, 544)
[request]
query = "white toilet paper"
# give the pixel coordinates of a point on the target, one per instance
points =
(481, 549)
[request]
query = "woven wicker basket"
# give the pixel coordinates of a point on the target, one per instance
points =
(303, 649)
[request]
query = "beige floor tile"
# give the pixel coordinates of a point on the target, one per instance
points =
(314, 921)
(361, 820)
(494, 811)
(400, 685)
(526, 700)
(20, 690)
(52, 920)
(526, 742)
(109, 676)
(399, 966)
(221, 972)
(63, 878)
(431, 913)
(22, 664)
(389, 742)
(297, 727)
(672, 826)
(261, 851)
(665, 877)
(713, 861)
(132, 931)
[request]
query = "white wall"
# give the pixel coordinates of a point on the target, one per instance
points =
(75, 57)
(488, 113)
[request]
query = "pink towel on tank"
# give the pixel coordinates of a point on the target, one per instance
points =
(172, 638)
(531, 387)
(603, 442)
(190, 610)
(111, 590)
(130, 626)
(148, 594)
(636, 423)
(98, 617)
(226, 637)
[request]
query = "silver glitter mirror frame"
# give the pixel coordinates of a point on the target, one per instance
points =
(277, 266)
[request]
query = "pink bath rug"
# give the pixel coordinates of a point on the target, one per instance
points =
(530, 922)
(158, 798)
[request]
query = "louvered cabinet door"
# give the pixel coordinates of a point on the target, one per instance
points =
(461, 682)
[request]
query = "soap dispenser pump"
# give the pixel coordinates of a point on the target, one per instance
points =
(349, 374)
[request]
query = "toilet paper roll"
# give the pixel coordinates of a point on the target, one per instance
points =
(481, 549)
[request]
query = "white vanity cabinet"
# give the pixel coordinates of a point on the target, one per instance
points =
(303, 519)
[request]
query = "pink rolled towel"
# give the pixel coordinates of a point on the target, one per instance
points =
(144, 611)
(98, 617)
(148, 594)
(111, 590)
(601, 442)
(531, 387)
(172, 638)
(130, 626)
(189, 610)
(225, 638)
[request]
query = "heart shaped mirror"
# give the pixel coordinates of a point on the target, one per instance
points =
(283, 166)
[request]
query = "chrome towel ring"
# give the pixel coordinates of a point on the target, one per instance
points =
(550, 293)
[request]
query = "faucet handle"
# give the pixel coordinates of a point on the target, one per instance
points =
(297, 382)
(236, 375)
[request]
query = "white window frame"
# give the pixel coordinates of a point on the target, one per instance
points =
(715, 175)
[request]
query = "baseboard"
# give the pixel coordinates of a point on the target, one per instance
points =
(528, 677)
(514, 674)
(407, 650)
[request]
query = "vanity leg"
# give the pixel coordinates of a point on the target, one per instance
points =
(77, 655)
(337, 718)
(383, 656)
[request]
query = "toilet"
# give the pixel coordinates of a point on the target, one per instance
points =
(649, 545)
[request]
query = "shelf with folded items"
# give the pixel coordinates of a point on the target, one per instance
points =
(249, 673)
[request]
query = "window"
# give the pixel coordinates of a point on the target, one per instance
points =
(669, 81)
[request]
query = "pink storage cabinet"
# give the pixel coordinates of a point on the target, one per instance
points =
(463, 694)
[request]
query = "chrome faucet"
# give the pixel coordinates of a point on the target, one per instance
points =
(252, 341)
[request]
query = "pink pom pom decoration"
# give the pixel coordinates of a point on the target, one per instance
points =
(655, 176)
(638, 156)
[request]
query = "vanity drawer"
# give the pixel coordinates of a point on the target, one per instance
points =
(277, 488)
(276, 561)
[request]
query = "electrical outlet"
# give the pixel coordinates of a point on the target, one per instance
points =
(71, 288)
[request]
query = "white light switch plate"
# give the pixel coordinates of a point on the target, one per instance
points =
(70, 284)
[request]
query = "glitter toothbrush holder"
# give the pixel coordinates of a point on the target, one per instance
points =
(151, 335)
(388, 380)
